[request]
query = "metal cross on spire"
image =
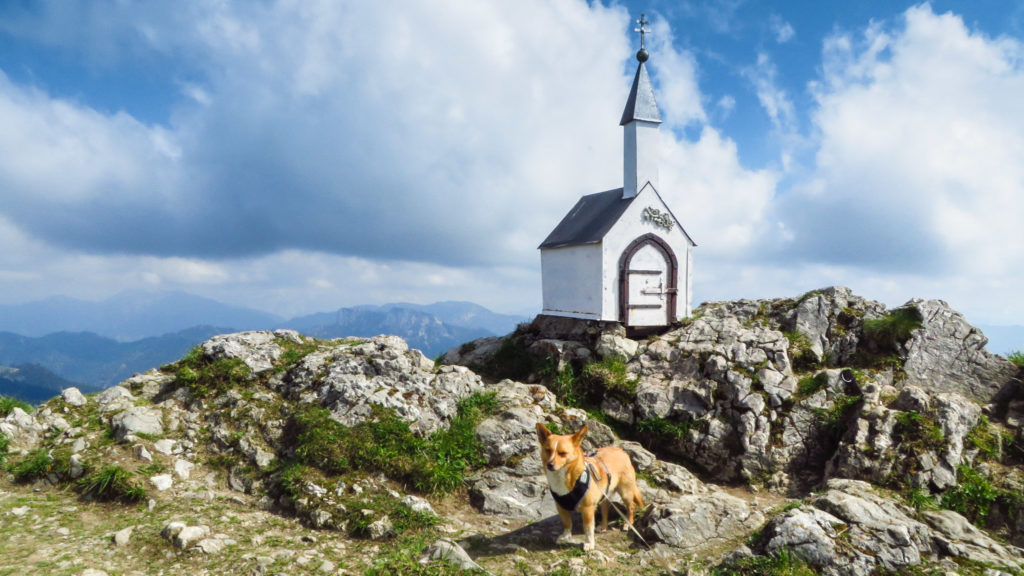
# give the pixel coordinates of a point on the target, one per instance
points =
(642, 22)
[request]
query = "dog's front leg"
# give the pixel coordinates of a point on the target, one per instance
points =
(566, 516)
(587, 512)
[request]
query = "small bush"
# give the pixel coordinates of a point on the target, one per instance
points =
(973, 496)
(9, 403)
(1017, 357)
(112, 483)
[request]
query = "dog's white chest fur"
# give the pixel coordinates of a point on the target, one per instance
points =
(556, 481)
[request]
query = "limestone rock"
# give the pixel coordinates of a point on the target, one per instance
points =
(450, 552)
(851, 530)
(74, 397)
(21, 429)
(947, 354)
(258, 349)
(382, 371)
(611, 345)
(693, 523)
(137, 420)
(123, 537)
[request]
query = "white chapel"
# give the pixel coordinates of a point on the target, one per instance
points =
(622, 255)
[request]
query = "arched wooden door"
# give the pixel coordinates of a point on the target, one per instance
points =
(647, 283)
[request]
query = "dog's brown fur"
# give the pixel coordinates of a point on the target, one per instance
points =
(564, 461)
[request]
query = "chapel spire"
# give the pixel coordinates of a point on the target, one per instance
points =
(640, 120)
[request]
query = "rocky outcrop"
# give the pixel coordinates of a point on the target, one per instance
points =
(948, 355)
(852, 530)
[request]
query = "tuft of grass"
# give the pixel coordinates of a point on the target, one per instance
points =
(5, 446)
(611, 376)
(1017, 357)
(35, 465)
(661, 430)
(800, 354)
(920, 499)
(811, 384)
(9, 403)
(890, 331)
(204, 377)
(112, 483)
(918, 431)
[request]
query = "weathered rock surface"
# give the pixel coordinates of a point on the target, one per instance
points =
(948, 355)
(851, 530)
(699, 522)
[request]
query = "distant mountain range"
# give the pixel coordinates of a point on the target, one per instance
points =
(31, 383)
(51, 344)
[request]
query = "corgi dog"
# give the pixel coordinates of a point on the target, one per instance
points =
(580, 482)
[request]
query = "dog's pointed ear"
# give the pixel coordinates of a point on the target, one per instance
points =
(542, 432)
(577, 438)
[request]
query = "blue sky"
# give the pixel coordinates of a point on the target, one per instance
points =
(300, 157)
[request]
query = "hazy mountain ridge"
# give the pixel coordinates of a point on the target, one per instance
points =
(128, 316)
(33, 383)
(92, 356)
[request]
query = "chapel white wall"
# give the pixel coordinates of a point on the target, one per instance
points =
(571, 281)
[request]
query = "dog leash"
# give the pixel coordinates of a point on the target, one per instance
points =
(625, 520)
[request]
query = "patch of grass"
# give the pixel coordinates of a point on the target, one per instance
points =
(809, 385)
(112, 483)
(918, 431)
(5, 446)
(9, 403)
(1017, 357)
(782, 563)
(385, 443)
(890, 331)
(204, 377)
(293, 353)
(403, 519)
(610, 376)
(659, 430)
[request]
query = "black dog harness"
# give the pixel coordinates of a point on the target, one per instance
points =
(570, 500)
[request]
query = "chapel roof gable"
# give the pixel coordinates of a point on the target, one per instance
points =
(589, 220)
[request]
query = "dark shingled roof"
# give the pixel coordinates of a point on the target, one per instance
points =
(641, 104)
(589, 220)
